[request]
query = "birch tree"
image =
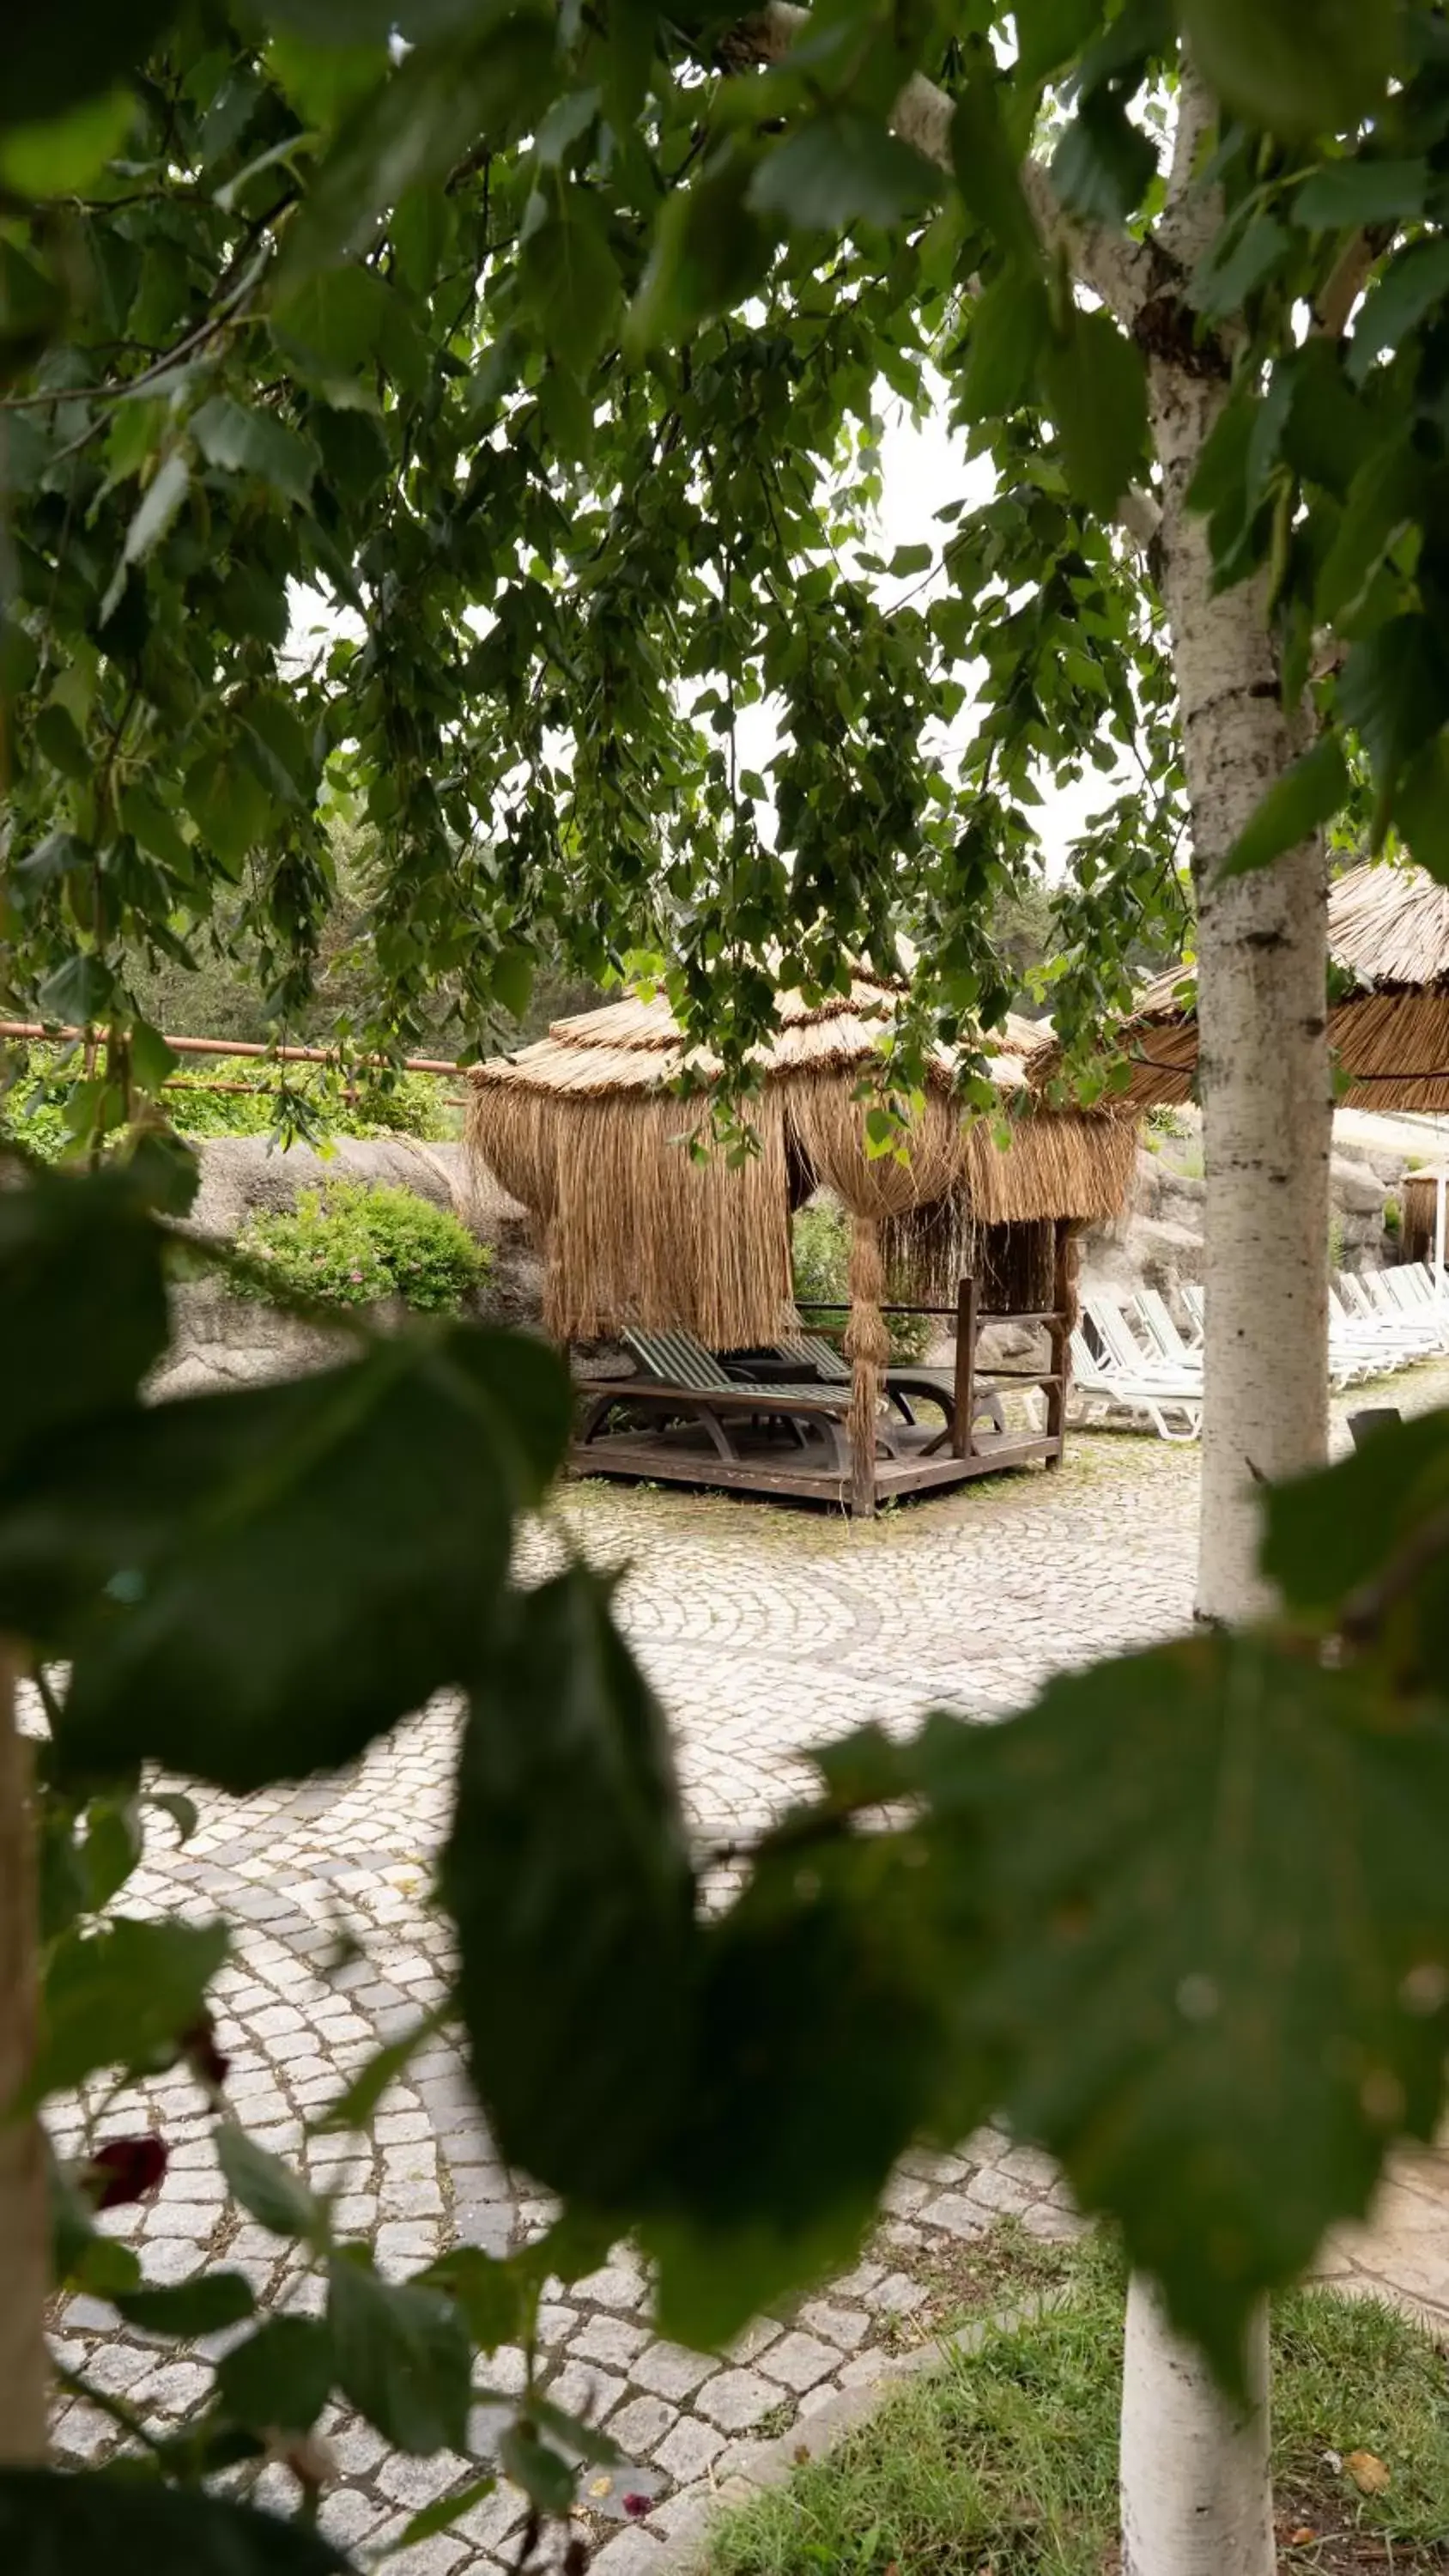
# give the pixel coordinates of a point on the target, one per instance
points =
(549, 352)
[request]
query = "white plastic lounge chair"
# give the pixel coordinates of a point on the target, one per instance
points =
(1400, 1313)
(1163, 1334)
(1171, 1413)
(1121, 1349)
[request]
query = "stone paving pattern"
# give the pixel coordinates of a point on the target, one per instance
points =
(763, 1630)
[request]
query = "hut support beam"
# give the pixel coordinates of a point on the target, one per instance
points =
(1059, 1333)
(965, 1394)
(867, 1347)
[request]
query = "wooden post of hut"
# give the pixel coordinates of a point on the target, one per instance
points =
(867, 1347)
(1059, 1332)
(965, 1390)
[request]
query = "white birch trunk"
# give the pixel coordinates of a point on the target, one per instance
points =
(24, 2230)
(1196, 2484)
(1196, 2494)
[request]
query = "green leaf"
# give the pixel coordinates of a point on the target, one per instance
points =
(59, 738)
(1413, 283)
(1220, 1932)
(243, 440)
(200, 2307)
(1384, 498)
(354, 2107)
(154, 828)
(289, 753)
(1361, 191)
(82, 1300)
(545, 2477)
(1421, 808)
(1298, 67)
(52, 59)
(512, 979)
(268, 2190)
(496, 2296)
(1329, 432)
(1306, 796)
(568, 1876)
(823, 2035)
(59, 855)
(152, 1060)
(64, 154)
(1049, 33)
(78, 992)
(1236, 265)
(569, 277)
(709, 249)
(442, 2515)
(121, 1996)
(1103, 165)
(408, 131)
(53, 2520)
(280, 2379)
(307, 1562)
(1395, 693)
(909, 559)
(403, 2358)
(1096, 390)
(111, 1849)
(1329, 1533)
(335, 324)
(843, 168)
(988, 172)
(181, 1810)
(228, 804)
(153, 516)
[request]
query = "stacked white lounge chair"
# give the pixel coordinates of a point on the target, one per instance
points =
(1133, 1359)
(1114, 1368)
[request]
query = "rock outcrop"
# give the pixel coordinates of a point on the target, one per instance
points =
(221, 1340)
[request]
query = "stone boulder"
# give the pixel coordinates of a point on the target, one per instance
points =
(221, 1340)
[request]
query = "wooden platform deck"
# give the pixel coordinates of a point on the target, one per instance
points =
(682, 1455)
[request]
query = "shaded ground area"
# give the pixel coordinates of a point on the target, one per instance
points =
(764, 1630)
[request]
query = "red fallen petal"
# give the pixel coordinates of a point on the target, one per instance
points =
(636, 2505)
(125, 2169)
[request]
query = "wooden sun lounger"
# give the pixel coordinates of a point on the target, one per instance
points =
(684, 1379)
(904, 1379)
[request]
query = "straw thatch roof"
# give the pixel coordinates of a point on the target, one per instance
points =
(585, 1127)
(1388, 930)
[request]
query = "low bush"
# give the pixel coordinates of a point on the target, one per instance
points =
(356, 1243)
(820, 1260)
(232, 1096)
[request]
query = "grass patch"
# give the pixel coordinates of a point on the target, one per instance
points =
(1005, 2464)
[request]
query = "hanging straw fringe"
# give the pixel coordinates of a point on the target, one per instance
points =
(644, 1235)
(868, 1348)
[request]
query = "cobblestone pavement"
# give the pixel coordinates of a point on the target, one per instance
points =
(763, 1630)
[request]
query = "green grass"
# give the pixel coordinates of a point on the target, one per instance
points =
(1007, 2460)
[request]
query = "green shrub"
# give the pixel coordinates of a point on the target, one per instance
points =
(30, 1110)
(820, 1259)
(36, 1078)
(412, 1106)
(1393, 1217)
(354, 1243)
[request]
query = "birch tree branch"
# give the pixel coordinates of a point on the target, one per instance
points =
(1122, 271)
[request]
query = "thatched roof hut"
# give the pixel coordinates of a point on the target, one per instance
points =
(587, 1129)
(1388, 935)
